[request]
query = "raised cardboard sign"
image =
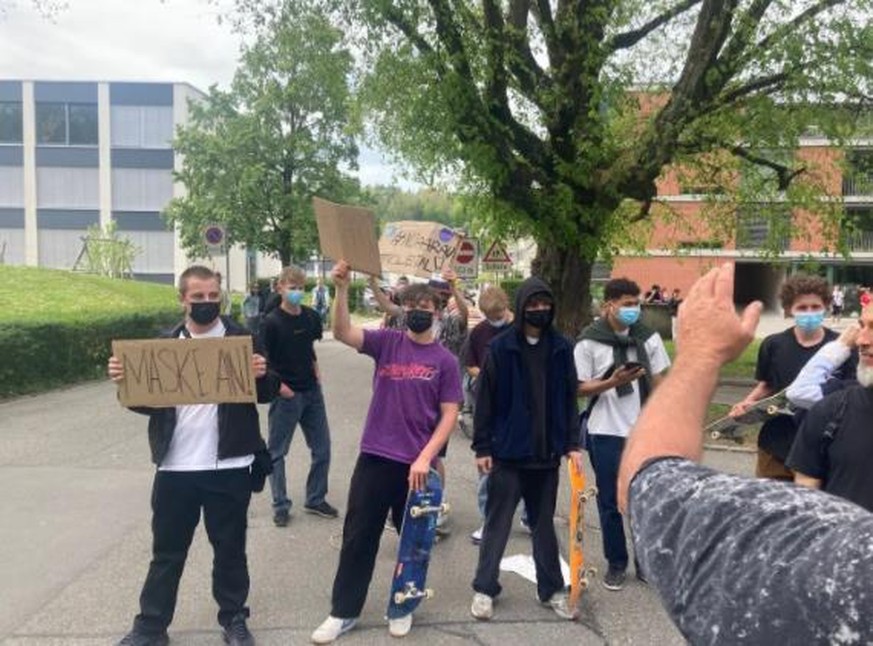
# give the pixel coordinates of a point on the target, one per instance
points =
(171, 372)
(348, 233)
(419, 248)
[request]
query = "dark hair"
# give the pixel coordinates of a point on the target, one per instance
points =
(618, 287)
(801, 285)
(414, 294)
(197, 271)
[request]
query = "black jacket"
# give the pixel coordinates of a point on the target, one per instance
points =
(239, 431)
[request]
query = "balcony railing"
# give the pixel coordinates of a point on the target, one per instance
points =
(859, 240)
(858, 185)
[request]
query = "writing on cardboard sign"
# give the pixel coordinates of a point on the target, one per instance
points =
(171, 372)
(419, 248)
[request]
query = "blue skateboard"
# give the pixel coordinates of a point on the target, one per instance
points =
(417, 534)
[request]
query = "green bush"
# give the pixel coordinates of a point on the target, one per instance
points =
(38, 355)
(510, 286)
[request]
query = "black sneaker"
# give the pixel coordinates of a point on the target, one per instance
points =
(236, 633)
(134, 638)
(281, 518)
(323, 509)
(614, 579)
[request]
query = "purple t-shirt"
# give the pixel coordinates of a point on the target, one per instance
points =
(410, 382)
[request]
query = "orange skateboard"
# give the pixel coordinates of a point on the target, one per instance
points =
(579, 574)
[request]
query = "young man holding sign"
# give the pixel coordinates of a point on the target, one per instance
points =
(205, 454)
(416, 393)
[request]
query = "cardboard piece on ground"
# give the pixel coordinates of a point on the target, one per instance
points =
(419, 248)
(171, 372)
(348, 233)
(523, 565)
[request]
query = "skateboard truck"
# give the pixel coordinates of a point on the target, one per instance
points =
(417, 511)
(411, 592)
(585, 577)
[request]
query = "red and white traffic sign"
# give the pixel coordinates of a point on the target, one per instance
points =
(496, 258)
(467, 259)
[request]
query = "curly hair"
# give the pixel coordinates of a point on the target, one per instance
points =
(802, 285)
(416, 293)
(618, 287)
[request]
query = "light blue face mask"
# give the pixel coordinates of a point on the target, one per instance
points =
(295, 296)
(628, 315)
(809, 321)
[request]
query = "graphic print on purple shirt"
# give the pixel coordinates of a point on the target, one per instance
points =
(410, 382)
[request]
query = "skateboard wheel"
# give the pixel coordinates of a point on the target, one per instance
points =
(399, 597)
(715, 435)
(415, 512)
(772, 409)
(445, 508)
(583, 583)
(428, 593)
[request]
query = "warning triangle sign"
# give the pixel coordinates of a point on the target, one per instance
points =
(497, 253)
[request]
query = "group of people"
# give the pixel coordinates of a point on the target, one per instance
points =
(641, 427)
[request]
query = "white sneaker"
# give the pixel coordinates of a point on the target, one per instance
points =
(401, 626)
(331, 628)
(483, 606)
(559, 604)
(476, 537)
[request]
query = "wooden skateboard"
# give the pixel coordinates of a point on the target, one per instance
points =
(579, 496)
(417, 535)
(728, 427)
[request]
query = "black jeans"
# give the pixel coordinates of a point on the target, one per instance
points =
(378, 485)
(539, 490)
(605, 453)
(177, 497)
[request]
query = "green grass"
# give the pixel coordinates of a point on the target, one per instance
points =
(29, 294)
(742, 368)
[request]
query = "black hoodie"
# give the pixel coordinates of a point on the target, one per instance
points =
(526, 402)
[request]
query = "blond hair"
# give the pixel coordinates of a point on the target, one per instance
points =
(492, 300)
(292, 274)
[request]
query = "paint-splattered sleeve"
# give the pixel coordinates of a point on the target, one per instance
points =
(743, 561)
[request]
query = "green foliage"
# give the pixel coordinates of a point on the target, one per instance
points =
(254, 156)
(391, 204)
(56, 326)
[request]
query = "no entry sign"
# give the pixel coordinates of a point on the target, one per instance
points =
(467, 259)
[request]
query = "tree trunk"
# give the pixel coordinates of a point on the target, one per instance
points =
(568, 273)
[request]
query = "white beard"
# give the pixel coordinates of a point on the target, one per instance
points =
(865, 375)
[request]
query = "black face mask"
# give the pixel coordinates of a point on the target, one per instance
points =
(419, 321)
(205, 312)
(538, 318)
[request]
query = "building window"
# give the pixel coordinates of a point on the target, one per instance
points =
(10, 123)
(66, 124)
(142, 126)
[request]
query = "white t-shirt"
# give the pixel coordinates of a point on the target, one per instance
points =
(194, 446)
(614, 415)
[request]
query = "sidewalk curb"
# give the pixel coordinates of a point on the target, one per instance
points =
(728, 449)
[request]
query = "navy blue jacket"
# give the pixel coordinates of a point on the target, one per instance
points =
(503, 427)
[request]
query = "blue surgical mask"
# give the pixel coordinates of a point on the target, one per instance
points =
(809, 321)
(628, 315)
(294, 296)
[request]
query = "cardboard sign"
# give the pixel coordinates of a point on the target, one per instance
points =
(419, 248)
(170, 372)
(348, 233)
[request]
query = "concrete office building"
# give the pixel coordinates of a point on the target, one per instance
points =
(76, 154)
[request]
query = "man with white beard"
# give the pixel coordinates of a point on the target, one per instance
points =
(834, 446)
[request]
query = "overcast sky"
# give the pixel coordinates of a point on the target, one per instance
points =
(131, 40)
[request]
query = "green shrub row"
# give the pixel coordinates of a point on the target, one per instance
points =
(45, 354)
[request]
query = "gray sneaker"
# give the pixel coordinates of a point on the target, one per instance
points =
(559, 603)
(614, 579)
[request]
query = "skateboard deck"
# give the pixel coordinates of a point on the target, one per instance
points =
(728, 427)
(417, 535)
(579, 496)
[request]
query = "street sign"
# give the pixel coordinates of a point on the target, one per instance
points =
(214, 237)
(496, 258)
(467, 259)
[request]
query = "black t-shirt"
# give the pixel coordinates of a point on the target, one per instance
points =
(535, 360)
(288, 341)
(846, 467)
(780, 359)
(477, 343)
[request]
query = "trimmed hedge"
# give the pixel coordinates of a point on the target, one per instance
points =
(44, 354)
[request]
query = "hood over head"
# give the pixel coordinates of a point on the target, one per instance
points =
(527, 290)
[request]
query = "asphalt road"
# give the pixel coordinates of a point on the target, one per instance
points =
(75, 539)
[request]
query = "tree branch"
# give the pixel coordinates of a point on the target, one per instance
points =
(631, 38)
(394, 16)
(784, 174)
(530, 76)
(792, 26)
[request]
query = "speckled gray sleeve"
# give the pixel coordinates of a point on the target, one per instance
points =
(743, 561)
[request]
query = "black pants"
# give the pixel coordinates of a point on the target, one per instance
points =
(378, 484)
(177, 497)
(539, 490)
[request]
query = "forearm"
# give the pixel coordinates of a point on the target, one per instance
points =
(382, 299)
(440, 435)
(680, 405)
(760, 391)
(593, 387)
(461, 302)
(806, 389)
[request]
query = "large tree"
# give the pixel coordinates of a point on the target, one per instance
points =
(255, 155)
(566, 114)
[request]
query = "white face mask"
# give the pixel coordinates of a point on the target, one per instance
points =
(498, 323)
